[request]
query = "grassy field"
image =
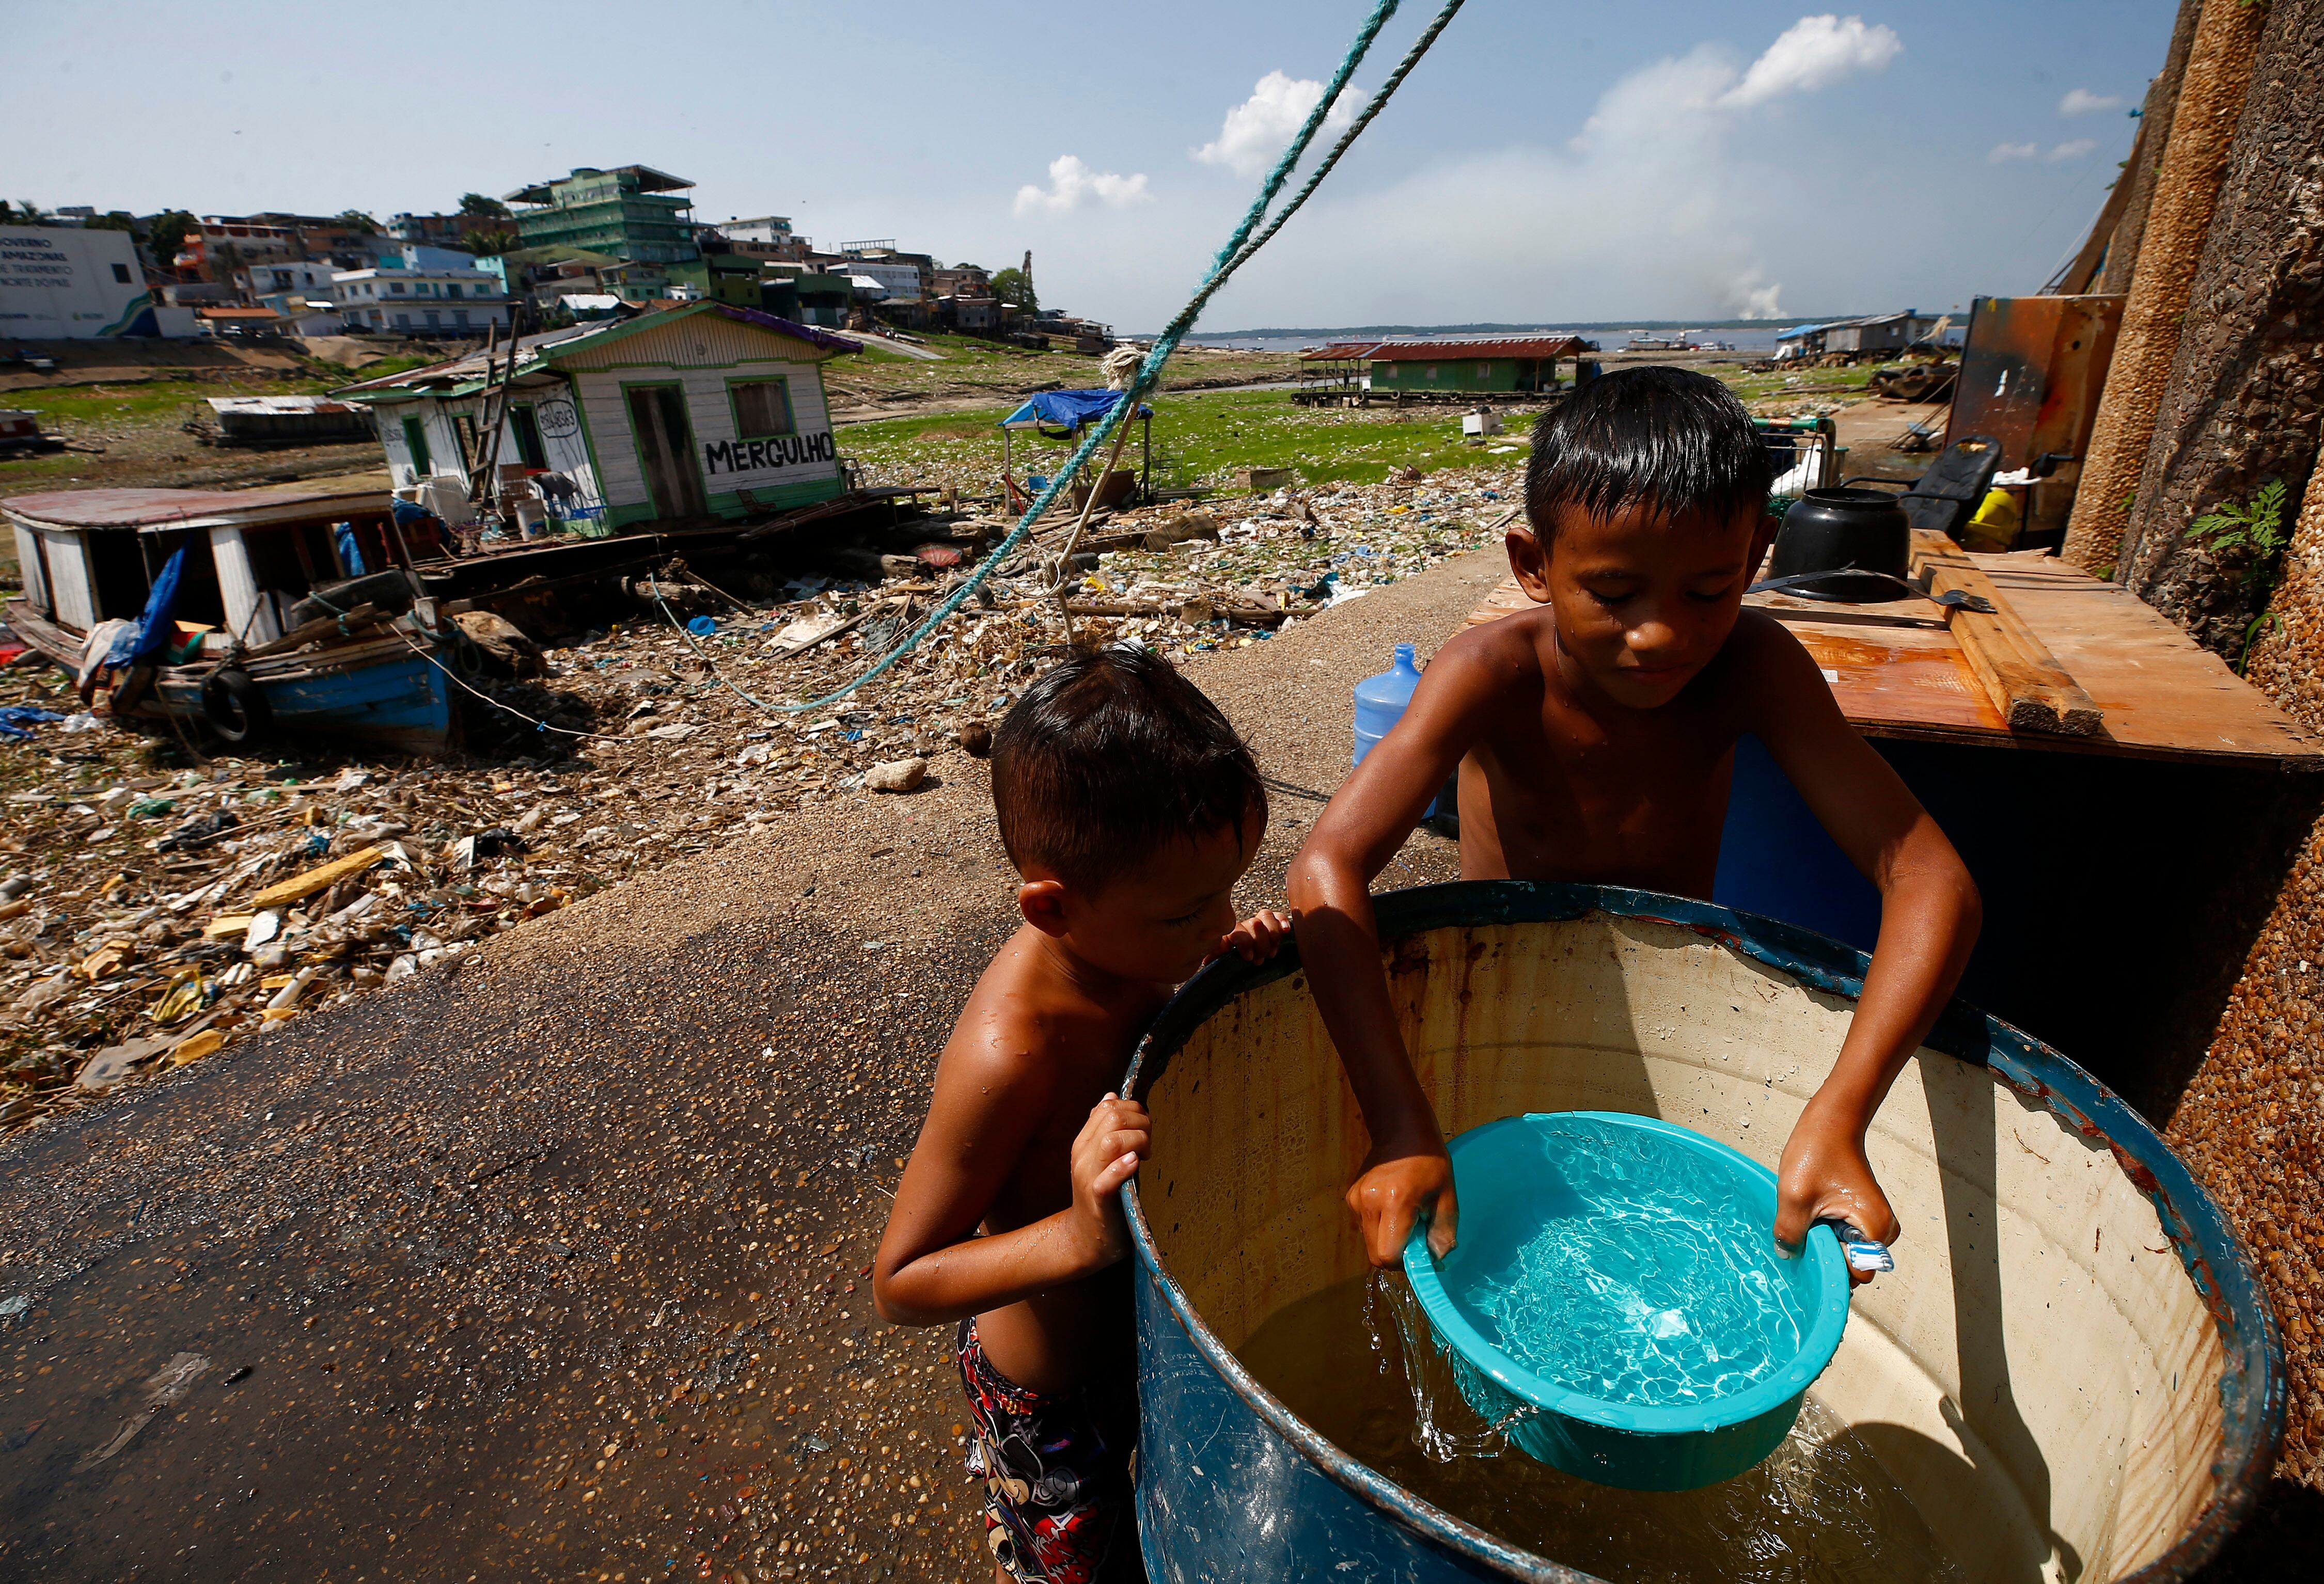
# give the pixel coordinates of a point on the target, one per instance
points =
(1211, 436)
(971, 369)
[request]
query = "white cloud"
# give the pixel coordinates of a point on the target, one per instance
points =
(1814, 52)
(2003, 154)
(2071, 151)
(1257, 131)
(2082, 102)
(1073, 184)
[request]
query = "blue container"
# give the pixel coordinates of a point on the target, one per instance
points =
(1380, 703)
(1507, 1172)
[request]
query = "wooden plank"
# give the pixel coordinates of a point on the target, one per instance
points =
(2159, 690)
(2029, 687)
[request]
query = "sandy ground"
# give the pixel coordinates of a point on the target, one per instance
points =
(553, 1263)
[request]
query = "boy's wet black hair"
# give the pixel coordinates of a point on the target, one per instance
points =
(1667, 437)
(1108, 756)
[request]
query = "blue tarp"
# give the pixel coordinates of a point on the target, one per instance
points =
(141, 644)
(1066, 411)
(16, 717)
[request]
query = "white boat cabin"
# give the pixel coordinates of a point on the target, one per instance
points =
(91, 555)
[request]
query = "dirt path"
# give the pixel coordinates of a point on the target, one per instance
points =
(553, 1263)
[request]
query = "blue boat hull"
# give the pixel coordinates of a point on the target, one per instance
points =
(401, 700)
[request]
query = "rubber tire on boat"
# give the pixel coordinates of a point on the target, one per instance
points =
(235, 708)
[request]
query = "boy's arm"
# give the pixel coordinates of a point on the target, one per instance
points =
(1930, 914)
(1407, 1170)
(931, 1267)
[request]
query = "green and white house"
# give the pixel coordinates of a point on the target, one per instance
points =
(706, 410)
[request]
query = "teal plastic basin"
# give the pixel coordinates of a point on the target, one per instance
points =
(1507, 1174)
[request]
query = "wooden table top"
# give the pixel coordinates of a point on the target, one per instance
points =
(1897, 670)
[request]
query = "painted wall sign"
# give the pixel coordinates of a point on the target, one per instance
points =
(557, 418)
(756, 455)
(57, 282)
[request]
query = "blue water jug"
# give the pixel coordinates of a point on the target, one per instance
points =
(1380, 700)
(1380, 703)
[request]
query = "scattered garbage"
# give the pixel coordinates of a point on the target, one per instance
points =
(159, 906)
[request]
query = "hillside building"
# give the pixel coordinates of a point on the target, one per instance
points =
(627, 212)
(439, 301)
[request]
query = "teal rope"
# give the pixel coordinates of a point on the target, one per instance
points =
(1237, 248)
(1379, 103)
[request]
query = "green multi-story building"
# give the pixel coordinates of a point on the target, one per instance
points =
(623, 212)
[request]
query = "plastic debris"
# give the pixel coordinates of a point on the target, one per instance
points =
(133, 868)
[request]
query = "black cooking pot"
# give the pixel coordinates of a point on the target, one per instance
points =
(1829, 533)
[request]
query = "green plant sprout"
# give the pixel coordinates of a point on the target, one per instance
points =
(2255, 527)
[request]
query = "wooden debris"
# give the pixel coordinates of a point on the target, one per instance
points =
(2029, 688)
(299, 886)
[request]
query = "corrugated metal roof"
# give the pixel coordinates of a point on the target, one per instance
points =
(131, 508)
(1453, 351)
(278, 406)
(1338, 351)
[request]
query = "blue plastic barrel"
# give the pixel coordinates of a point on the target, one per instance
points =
(2073, 1357)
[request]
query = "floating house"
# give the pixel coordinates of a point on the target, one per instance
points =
(1888, 332)
(1482, 367)
(703, 411)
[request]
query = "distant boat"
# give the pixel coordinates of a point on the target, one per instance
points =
(1685, 341)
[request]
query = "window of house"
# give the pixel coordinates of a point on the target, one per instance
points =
(432, 318)
(453, 290)
(403, 321)
(762, 408)
(121, 273)
(396, 287)
(461, 318)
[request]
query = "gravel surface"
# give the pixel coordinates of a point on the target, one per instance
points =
(552, 1260)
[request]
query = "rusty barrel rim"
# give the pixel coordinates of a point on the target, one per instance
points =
(2252, 1383)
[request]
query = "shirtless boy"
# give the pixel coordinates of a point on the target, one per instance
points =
(1595, 736)
(1130, 808)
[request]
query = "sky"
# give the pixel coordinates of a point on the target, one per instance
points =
(1548, 161)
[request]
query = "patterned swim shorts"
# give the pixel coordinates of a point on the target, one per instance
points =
(1057, 1475)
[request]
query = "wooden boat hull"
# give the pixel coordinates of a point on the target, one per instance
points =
(382, 688)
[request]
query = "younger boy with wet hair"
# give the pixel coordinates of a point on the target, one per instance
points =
(1595, 738)
(1130, 808)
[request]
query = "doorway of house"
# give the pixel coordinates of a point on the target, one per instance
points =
(665, 451)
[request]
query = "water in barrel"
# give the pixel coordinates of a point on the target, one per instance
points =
(1357, 1361)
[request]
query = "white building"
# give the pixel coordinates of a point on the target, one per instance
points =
(901, 282)
(420, 301)
(307, 279)
(304, 315)
(763, 228)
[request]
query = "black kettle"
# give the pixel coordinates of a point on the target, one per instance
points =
(1829, 534)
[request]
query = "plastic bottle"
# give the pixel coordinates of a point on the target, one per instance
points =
(1380, 703)
(1380, 700)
